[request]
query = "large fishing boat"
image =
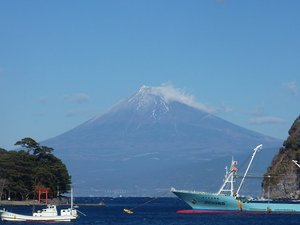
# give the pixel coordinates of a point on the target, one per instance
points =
(228, 200)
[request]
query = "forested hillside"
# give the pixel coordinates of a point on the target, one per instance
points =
(282, 180)
(34, 166)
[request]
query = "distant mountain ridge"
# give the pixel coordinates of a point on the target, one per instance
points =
(155, 139)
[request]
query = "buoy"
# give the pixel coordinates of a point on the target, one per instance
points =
(128, 211)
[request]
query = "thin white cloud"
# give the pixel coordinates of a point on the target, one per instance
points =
(170, 93)
(224, 109)
(220, 2)
(77, 98)
(292, 87)
(77, 112)
(260, 120)
(40, 114)
(73, 112)
(43, 100)
(258, 112)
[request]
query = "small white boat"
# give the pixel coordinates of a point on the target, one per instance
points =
(48, 214)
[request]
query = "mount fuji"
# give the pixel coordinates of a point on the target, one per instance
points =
(153, 140)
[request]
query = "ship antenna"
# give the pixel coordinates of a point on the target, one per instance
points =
(255, 150)
(72, 198)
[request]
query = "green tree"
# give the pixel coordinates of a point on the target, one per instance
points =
(21, 172)
(34, 147)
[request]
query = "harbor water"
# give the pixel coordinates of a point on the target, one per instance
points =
(160, 211)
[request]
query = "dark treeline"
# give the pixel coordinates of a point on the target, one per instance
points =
(32, 167)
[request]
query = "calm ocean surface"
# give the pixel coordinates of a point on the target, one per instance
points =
(159, 212)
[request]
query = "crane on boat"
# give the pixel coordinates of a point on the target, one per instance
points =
(296, 162)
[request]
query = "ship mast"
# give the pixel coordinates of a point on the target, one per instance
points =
(72, 204)
(229, 179)
(255, 150)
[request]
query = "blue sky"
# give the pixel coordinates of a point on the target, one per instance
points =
(64, 61)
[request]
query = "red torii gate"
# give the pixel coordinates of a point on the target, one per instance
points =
(43, 191)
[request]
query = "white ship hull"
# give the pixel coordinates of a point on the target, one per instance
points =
(48, 214)
(8, 216)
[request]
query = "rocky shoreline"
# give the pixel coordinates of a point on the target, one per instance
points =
(50, 201)
(28, 202)
(56, 201)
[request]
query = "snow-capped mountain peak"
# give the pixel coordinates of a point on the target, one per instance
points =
(151, 100)
(165, 94)
(155, 101)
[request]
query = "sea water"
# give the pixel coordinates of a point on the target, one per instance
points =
(160, 211)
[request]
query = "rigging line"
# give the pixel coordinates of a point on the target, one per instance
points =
(274, 175)
(245, 160)
(81, 212)
(263, 176)
(130, 211)
(145, 203)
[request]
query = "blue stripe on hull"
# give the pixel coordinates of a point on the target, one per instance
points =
(198, 211)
